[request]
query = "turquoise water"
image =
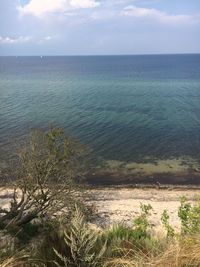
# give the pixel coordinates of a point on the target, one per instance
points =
(124, 108)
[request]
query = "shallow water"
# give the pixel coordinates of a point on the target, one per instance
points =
(126, 108)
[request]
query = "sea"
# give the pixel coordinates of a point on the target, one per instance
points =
(129, 109)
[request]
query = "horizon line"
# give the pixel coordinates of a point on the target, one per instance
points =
(95, 55)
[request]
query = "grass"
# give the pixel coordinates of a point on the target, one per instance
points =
(182, 253)
(75, 244)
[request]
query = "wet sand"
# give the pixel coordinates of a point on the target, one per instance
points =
(180, 171)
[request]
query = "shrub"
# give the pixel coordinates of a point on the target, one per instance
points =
(119, 238)
(141, 223)
(48, 166)
(165, 221)
(189, 216)
(81, 240)
(124, 239)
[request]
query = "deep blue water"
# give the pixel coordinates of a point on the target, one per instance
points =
(124, 107)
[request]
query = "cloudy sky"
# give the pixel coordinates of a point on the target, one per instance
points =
(85, 27)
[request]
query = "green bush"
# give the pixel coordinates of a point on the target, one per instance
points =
(121, 237)
(118, 237)
(165, 221)
(141, 223)
(189, 216)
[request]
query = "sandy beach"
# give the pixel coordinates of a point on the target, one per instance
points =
(121, 205)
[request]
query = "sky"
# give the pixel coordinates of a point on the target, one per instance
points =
(99, 27)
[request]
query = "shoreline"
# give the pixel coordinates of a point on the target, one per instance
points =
(160, 180)
(116, 205)
(103, 180)
(150, 173)
(177, 171)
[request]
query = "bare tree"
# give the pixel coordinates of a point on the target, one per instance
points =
(49, 164)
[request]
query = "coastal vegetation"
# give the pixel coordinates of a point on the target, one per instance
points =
(47, 167)
(75, 243)
(49, 222)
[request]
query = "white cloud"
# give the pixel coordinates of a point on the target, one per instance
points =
(102, 15)
(11, 40)
(40, 8)
(44, 39)
(140, 12)
(83, 3)
(24, 39)
(47, 38)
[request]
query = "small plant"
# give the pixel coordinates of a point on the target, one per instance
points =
(167, 226)
(141, 223)
(81, 240)
(123, 239)
(120, 232)
(190, 216)
(119, 237)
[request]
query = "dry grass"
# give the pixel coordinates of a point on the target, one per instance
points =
(185, 252)
(182, 253)
(23, 261)
(13, 262)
